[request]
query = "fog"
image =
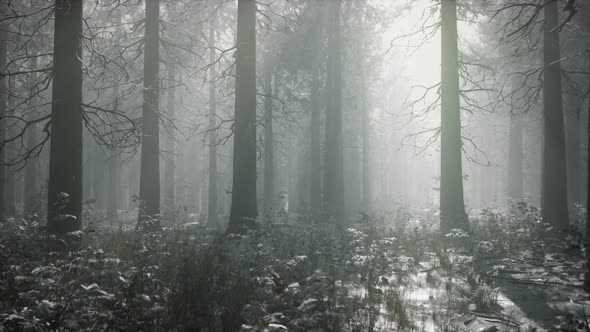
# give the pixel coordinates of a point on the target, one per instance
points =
(244, 152)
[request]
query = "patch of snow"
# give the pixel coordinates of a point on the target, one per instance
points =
(307, 304)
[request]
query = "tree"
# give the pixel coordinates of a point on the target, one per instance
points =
(64, 202)
(149, 177)
(573, 149)
(31, 190)
(315, 194)
(315, 161)
(365, 136)
(114, 176)
(11, 150)
(554, 206)
(212, 209)
(515, 178)
(269, 187)
(515, 158)
(114, 179)
(333, 170)
(114, 160)
(169, 167)
(244, 206)
(554, 196)
(452, 206)
(366, 144)
(3, 94)
(587, 235)
(574, 93)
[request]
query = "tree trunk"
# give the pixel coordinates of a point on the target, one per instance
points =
(302, 197)
(212, 209)
(269, 191)
(87, 166)
(244, 207)
(149, 178)
(365, 139)
(133, 182)
(587, 235)
(554, 180)
(115, 187)
(11, 174)
(98, 162)
(31, 190)
(315, 166)
(515, 159)
(193, 188)
(113, 166)
(64, 202)
(452, 206)
(170, 166)
(315, 195)
(113, 196)
(333, 172)
(3, 94)
(573, 151)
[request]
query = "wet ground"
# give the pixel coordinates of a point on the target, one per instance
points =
(540, 295)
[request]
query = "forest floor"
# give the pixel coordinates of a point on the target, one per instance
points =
(394, 273)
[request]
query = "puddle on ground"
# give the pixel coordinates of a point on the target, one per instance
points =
(428, 307)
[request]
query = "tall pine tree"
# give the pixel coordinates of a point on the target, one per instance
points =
(65, 160)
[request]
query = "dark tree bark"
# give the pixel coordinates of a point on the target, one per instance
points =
(587, 232)
(170, 166)
(269, 186)
(554, 206)
(333, 172)
(212, 209)
(244, 207)
(149, 178)
(64, 202)
(31, 191)
(452, 206)
(587, 235)
(515, 159)
(3, 94)
(11, 174)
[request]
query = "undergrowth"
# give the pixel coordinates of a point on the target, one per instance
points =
(370, 275)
